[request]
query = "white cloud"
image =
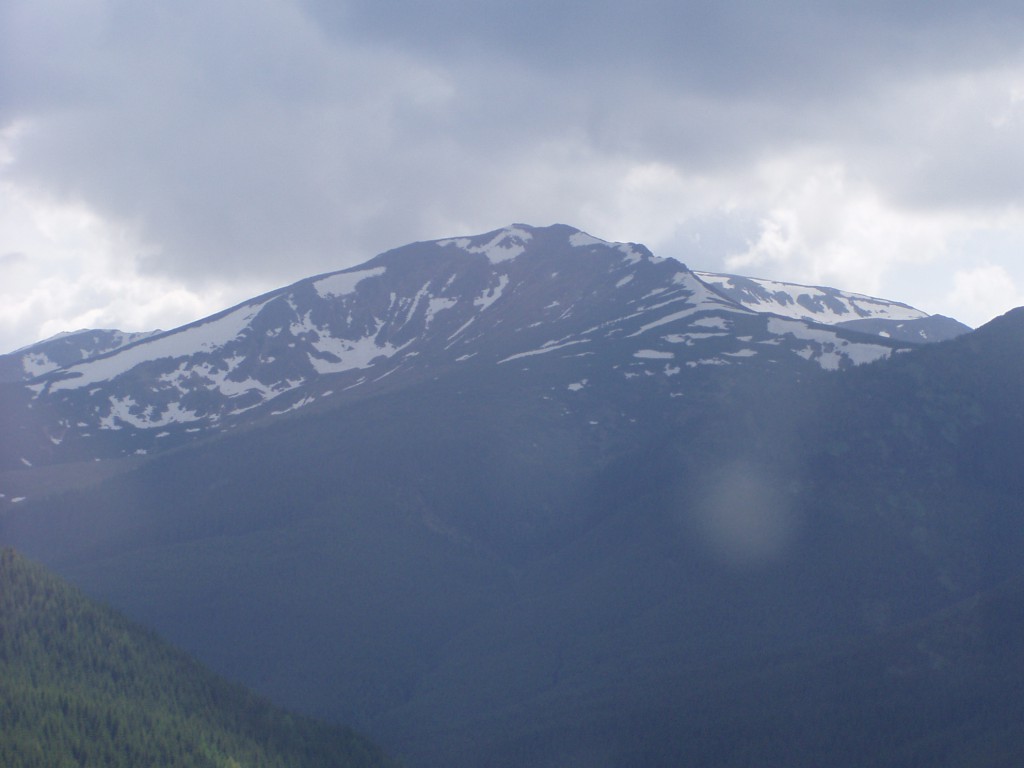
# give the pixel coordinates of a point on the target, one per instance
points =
(185, 154)
(65, 268)
(983, 292)
(821, 226)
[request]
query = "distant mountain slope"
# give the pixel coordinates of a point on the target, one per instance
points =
(868, 314)
(63, 350)
(536, 302)
(79, 685)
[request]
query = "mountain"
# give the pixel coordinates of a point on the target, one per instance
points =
(63, 350)
(80, 685)
(943, 691)
(834, 307)
(549, 302)
(534, 555)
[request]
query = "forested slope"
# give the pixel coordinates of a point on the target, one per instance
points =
(80, 685)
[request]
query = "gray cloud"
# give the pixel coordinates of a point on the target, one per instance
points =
(12, 259)
(741, 46)
(280, 139)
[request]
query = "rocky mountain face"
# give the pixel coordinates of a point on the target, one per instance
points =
(552, 302)
(533, 499)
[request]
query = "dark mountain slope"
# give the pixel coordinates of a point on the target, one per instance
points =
(944, 691)
(941, 692)
(912, 501)
(354, 542)
(485, 560)
(941, 433)
(79, 685)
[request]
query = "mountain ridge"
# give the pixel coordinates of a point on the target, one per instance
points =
(817, 303)
(519, 297)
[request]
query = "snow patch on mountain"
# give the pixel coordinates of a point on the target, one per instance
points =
(438, 304)
(505, 245)
(36, 364)
(63, 350)
(712, 322)
(206, 335)
(802, 302)
(344, 283)
(337, 355)
(458, 331)
(633, 255)
(670, 318)
(492, 294)
(653, 354)
(549, 347)
(826, 348)
(581, 239)
(125, 411)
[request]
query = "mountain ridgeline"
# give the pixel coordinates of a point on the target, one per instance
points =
(80, 685)
(527, 301)
(530, 499)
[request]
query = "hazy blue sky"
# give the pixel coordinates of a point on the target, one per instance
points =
(159, 161)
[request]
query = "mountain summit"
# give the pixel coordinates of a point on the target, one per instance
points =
(525, 299)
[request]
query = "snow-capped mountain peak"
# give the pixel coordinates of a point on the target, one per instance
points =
(553, 305)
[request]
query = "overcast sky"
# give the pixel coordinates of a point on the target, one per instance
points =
(161, 161)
